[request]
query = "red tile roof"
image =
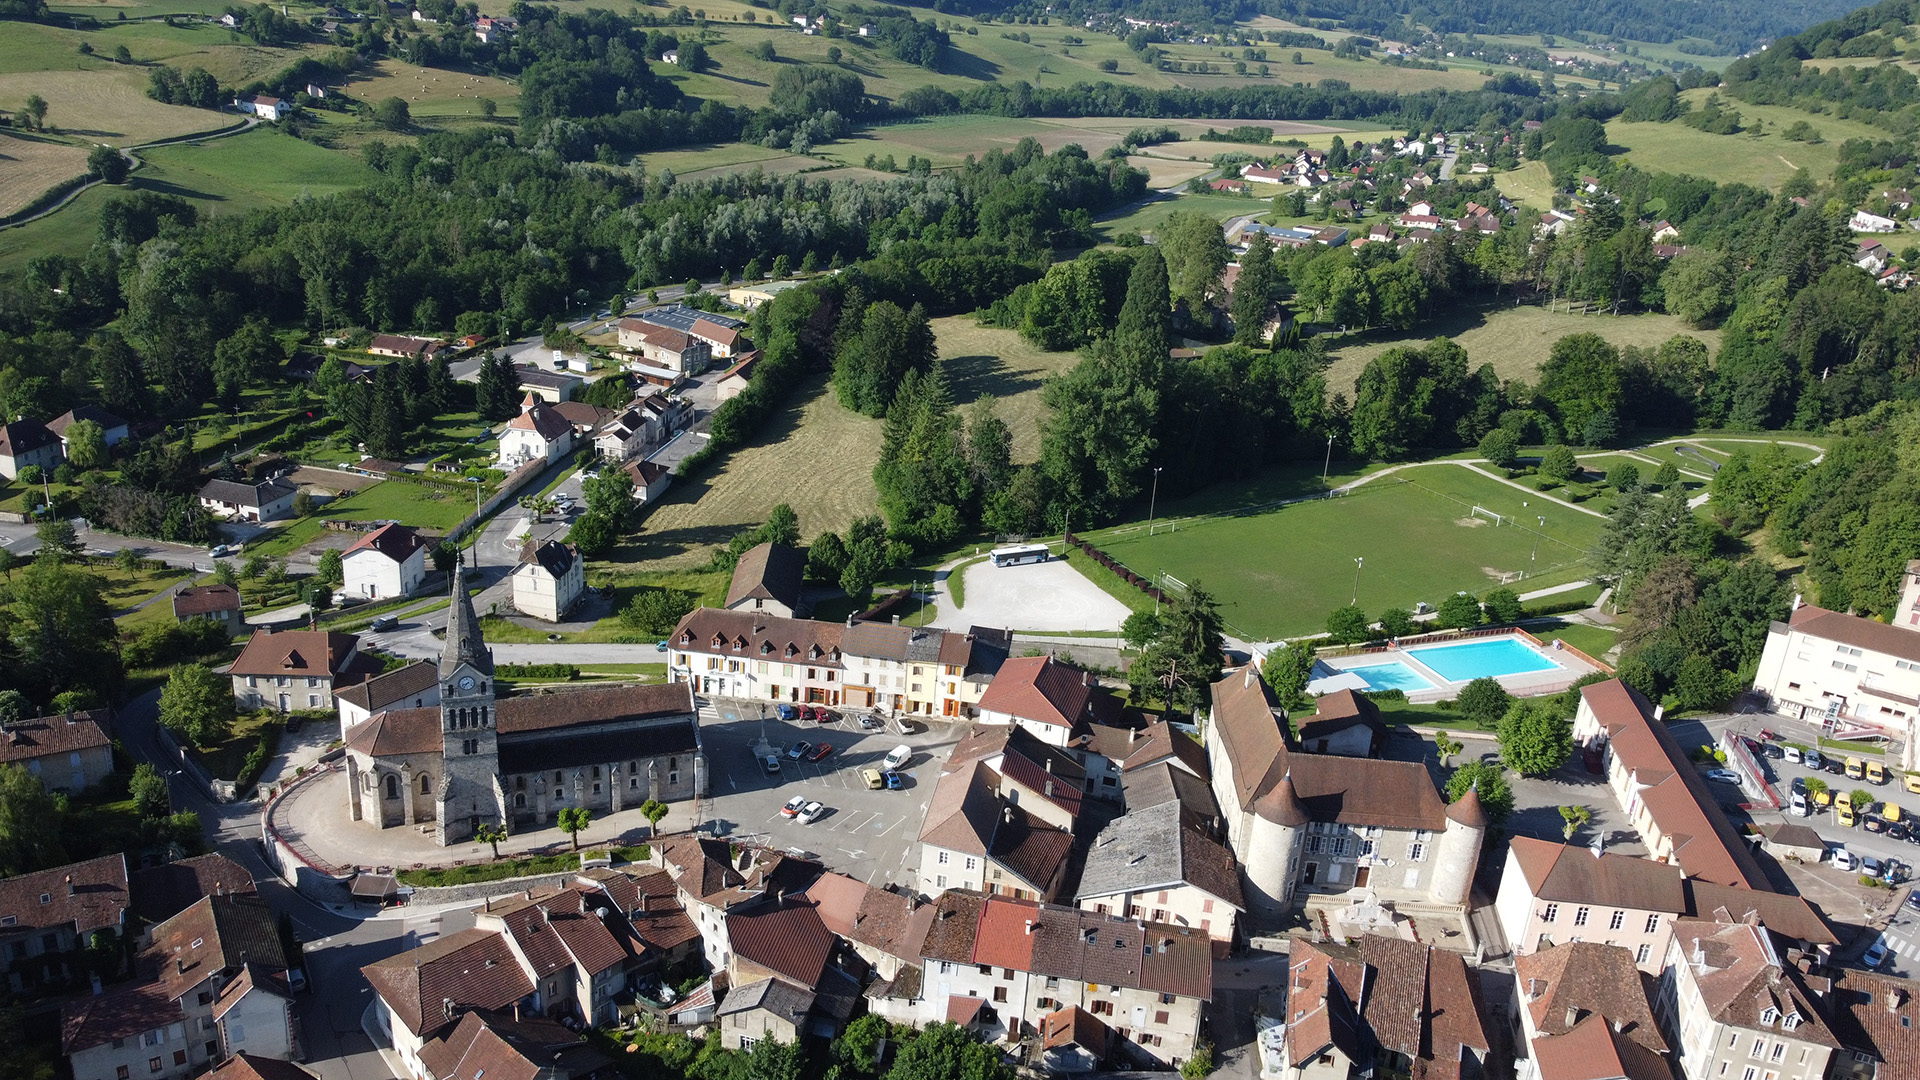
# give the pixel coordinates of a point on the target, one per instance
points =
(1879, 1016)
(1575, 874)
(395, 541)
(1040, 689)
(537, 417)
(1004, 938)
(161, 892)
(205, 600)
(473, 968)
(214, 934)
(49, 735)
(245, 1066)
(1562, 984)
(89, 896)
(89, 1021)
(296, 652)
(787, 938)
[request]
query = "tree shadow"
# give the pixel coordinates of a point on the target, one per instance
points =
(167, 187)
(968, 66)
(970, 377)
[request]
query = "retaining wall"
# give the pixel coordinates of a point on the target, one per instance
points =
(480, 890)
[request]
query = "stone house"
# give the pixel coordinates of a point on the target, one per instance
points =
(268, 500)
(219, 603)
(46, 914)
(68, 753)
(549, 581)
(298, 669)
(27, 442)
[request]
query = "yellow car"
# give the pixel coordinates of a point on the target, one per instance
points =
(1876, 773)
(1823, 797)
(1912, 781)
(1843, 800)
(1892, 812)
(1844, 814)
(1856, 769)
(873, 778)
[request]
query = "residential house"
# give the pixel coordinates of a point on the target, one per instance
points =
(763, 1009)
(650, 480)
(1552, 894)
(1871, 255)
(1073, 1040)
(491, 29)
(1664, 231)
(538, 434)
(1054, 702)
(921, 670)
(1108, 754)
(1657, 786)
(403, 346)
(662, 931)
(1793, 923)
(1876, 1020)
(767, 578)
(264, 106)
(749, 297)
(1232, 187)
(385, 564)
(793, 975)
(1381, 1006)
(1311, 823)
(723, 339)
(249, 1066)
(158, 893)
(665, 348)
(420, 994)
(570, 951)
(549, 581)
(1346, 724)
(1730, 1006)
(28, 442)
(1584, 1014)
(627, 435)
(298, 669)
(585, 418)
(47, 915)
(68, 752)
(1862, 221)
(712, 877)
(1163, 859)
(415, 686)
(220, 603)
(222, 960)
(734, 381)
(112, 427)
(136, 1030)
(752, 654)
(1847, 673)
(267, 500)
(988, 833)
(552, 387)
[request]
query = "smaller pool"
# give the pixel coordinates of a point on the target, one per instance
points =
(1391, 675)
(1493, 658)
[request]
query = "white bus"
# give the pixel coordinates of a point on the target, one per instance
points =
(1024, 553)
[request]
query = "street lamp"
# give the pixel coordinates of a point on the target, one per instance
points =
(1536, 544)
(1358, 562)
(1154, 500)
(1327, 464)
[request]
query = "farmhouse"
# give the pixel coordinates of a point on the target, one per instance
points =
(114, 428)
(298, 669)
(267, 500)
(264, 107)
(389, 562)
(549, 581)
(27, 442)
(69, 752)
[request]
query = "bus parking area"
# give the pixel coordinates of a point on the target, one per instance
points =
(1030, 596)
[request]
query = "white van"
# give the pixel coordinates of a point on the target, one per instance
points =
(898, 757)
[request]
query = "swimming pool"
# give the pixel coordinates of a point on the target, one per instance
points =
(1493, 657)
(1391, 675)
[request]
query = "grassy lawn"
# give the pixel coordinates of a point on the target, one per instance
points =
(261, 167)
(1515, 340)
(434, 92)
(1592, 640)
(1149, 216)
(813, 454)
(1530, 184)
(424, 506)
(991, 360)
(224, 762)
(708, 587)
(123, 589)
(1279, 572)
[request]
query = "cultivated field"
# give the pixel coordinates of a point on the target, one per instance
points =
(990, 360)
(432, 93)
(1149, 216)
(106, 106)
(1514, 340)
(812, 454)
(1279, 572)
(30, 165)
(1767, 161)
(1530, 184)
(260, 167)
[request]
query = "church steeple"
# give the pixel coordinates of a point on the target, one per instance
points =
(464, 645)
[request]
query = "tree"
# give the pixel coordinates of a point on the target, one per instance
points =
(826, 557)
(393, 114)
(62, 631)
(653, 810)
(1503, 606)
(34, 109)
(29, 823)
(198, 704)
(1559, 464)
(945, 1051)
(1816, 787)
(1253, 292)
(1347, 625)
(106, 163)
(877, 346)
(1287, 670)
(1534, 739)
(149, 791)
(1500, 447)
(1192, 646)
(656, 610)
(1667, 475)
(1459, 611)
(1140, 629)
(497, 392)
(58, 540)
(86, 444)
(1861, 799)
(1483, 701)
(491, 835)
(1624, 477)
(1699, 286)
(330, 568)
(574, 821)
(1196, 256)
(1496, 795)
(15, 707)
(1574, 816)
(1397, 622)
(1445, 747)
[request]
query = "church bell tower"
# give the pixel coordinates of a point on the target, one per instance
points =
(469, 791)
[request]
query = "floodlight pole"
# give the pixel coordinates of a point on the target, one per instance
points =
(1327, 464)
(1536, 544)
(1154, 500)
(1358, 562)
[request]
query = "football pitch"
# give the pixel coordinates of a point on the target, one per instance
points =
(1278, 571)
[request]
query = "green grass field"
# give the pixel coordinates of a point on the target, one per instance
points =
(1150, 215)
(1530, 184)
(989, 360)
(1279, 572)
(425, 506)
(1766, 161)
(1515, 340)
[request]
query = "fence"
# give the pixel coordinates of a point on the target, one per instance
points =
(509, 487)
(309, 875)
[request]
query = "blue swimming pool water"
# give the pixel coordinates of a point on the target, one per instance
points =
(1392, 675)
(1494, 657)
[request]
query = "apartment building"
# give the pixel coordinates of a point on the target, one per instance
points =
(1733, 1009)
(1849, 674)
(1055, 702)
(1584, 1014)
(921, 670)
(47, 914)
(568, 950)
(1553, 894)
(1380, 1006)
(753, 654)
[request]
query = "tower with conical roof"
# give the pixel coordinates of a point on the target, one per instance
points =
(1459, 849)
(470, 794)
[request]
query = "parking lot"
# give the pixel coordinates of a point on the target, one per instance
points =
(870, 835)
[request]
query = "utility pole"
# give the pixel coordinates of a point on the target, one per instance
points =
(1327, 464)
(1358, 562)
(1153, 500)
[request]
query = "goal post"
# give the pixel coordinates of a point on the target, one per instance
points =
(1497, 519)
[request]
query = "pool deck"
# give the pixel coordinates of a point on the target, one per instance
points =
(1524, 684)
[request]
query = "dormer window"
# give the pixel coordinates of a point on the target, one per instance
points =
(1770, 1016)
(1792, 1021)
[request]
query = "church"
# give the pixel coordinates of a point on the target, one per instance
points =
(607, 749)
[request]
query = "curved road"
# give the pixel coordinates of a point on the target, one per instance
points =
(248, 124)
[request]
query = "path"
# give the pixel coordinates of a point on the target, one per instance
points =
(247, 124)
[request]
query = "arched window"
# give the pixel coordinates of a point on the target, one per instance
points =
(426, 784)
(557, 778)
(393, 786)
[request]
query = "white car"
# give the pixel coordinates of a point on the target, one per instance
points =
(1845, 860)
(794, 806)
(811, 812)
(1876, 953)
(1723, 776)
(1793, 754)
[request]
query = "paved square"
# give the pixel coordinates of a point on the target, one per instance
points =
(1038, 596)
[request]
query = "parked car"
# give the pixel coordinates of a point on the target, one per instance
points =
(870, 722)
(771, 763)
(904, 726)
(824, 716)
(1772, 750)
(820, 751)
(1856, 769)
(1813, 759)
(1876, 773)
(660, 646)
(1912, 782)
(1913, 899)
(1834, 766)
(898, 757)
(1797, 804)
(1800, 785)
(1723, 776)
(383, 624)
(799, 750)
(1874, 823)
(1844, 860)
(785, 712)
(219, 551)
(1844, 816)
(1793, 754)
(1872, 867)
(873, 778)
(812, 812)
(1876, 953)
(1767, 734)
(1899, 831)
(794, 806)
(895, 781)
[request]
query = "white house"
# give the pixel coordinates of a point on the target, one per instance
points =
(549, 581)
(27, 442)
(1862, 221)
(389, 562)
(264, 107)
(537, 434)
(1553, 894)
(1847, 673)
(1730, 1005)
(415, 686)
(111, 426)
(269, 500)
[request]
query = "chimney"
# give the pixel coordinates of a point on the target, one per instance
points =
(644, 899)
(1049, 789)
(1619, 1026)
(69, 884)
(1699, 955)
(94, 978)
(1895, 998)
(1573, 1016)
(1659, 712)
(179, 966)
(1030, 925)
(1598, 847)
(1246, 678)
(1796, 602)
(1086, 678)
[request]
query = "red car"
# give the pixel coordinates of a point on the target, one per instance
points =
(820, 751)
(823, 716)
